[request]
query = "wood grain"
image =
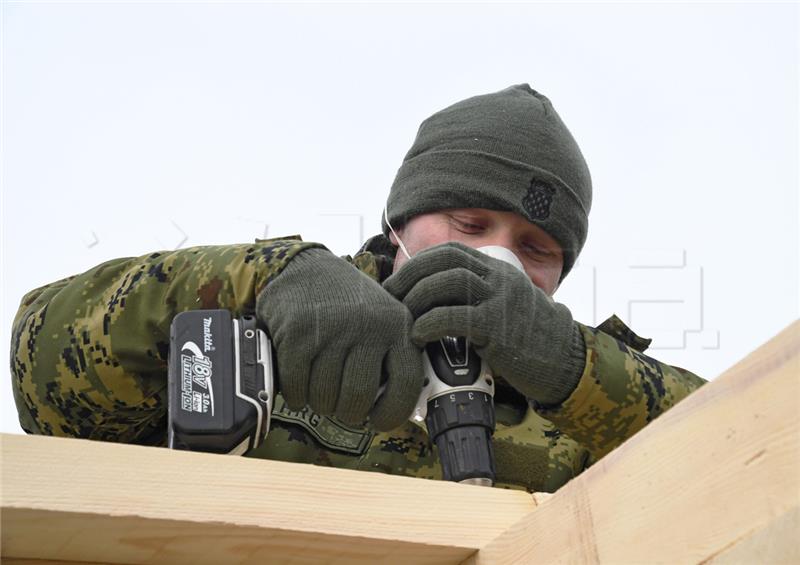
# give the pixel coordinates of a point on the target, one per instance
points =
(129, 504)
(719, 469)
(776, 543)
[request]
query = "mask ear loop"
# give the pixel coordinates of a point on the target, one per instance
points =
(397, 237)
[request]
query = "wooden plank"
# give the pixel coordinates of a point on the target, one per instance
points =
(78, 500)
(778, 542)
(721, 466)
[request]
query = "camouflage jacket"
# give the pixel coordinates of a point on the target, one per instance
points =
(89, 359)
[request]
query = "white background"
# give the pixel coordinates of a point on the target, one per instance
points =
(134, 127)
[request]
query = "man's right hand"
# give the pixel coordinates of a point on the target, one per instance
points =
(336, 333)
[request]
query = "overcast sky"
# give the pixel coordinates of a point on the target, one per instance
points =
(134, 127)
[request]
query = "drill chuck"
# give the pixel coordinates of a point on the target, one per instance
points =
(461, 424)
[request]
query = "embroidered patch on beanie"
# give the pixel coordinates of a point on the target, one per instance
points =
(538, 200)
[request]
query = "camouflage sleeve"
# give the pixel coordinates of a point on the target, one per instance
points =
(89, 352)
(621, 391)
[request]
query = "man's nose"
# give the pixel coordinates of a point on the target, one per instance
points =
(501, 238)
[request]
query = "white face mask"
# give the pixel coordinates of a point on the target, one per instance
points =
(504, 254)
(496, 251)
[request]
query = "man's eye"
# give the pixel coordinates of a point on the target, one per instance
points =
(466, 226)
(533, 250)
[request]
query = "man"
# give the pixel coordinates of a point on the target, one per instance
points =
(89, 352)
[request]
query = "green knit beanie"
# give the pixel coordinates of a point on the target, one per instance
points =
(506, 151)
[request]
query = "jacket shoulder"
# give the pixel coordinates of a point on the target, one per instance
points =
(616, 328)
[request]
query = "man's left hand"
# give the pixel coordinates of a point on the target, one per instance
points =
(524, 336)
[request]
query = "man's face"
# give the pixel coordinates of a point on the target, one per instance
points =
(540, 254)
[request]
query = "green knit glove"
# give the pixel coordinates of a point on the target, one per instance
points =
(336, 333)
(523, 335)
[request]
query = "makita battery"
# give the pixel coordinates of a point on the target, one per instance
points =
(220, 382)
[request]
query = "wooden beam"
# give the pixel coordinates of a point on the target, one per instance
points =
(715, 479)
(78, 500)
(778, 542)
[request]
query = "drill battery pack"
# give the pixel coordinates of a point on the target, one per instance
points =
(220, 382)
